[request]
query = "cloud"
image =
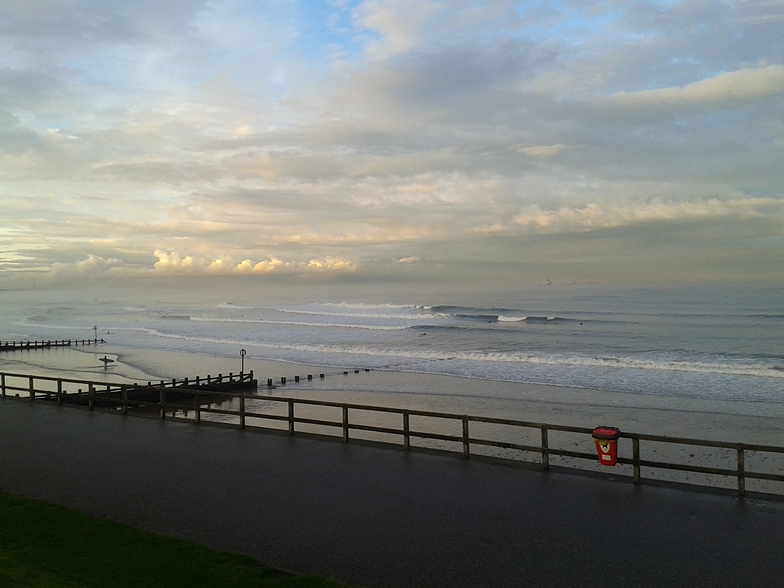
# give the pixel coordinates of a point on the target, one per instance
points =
(725, 89)
(331, 265)
(262, 267)
(93, 266)
(595, 216)
(543, 150)
(174, 263)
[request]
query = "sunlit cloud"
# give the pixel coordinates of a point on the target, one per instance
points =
(595, 216)
(330, 264)
(543, 150)
(92, 266)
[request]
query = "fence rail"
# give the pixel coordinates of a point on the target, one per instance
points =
(194, 395)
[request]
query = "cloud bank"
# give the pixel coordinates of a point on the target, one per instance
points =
(380, 137)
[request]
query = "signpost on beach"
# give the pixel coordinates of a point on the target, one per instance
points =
(242, 357)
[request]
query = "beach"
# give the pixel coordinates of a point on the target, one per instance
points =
(697, 418)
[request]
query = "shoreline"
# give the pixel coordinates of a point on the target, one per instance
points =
(682, 417)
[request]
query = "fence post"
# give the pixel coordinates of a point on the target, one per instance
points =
(90, 394)
(2, 384)
(741, 472)
(635, 460)
(291, 417)
(242, 411)
(196, 407)
(124, 391)
(32, 389)
(406, 431)
(345, 423)
(545, 449)
(163, 403)
(59, 392)
(466, 448)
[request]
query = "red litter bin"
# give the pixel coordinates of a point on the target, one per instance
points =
(606, 439)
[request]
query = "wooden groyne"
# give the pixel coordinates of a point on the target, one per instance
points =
(170, 395)
(31, 345)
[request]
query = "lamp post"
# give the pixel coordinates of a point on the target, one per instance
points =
(242, 356)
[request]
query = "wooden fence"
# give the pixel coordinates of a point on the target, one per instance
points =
(192, 395)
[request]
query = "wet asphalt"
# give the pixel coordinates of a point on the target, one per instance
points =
(379, 517)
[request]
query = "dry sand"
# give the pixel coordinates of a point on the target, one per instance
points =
(753, 423)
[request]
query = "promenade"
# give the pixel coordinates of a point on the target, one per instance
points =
(371, 516)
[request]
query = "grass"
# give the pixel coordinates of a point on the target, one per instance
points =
(42, 545)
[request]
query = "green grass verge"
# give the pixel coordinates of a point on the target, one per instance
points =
(42, 545)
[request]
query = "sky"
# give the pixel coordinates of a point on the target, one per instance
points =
(519, 142)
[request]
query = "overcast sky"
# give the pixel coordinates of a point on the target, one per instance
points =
(565, 140)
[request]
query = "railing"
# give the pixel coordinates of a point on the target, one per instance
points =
(405, 432)
(543, 448)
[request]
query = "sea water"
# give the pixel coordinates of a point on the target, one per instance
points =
(714, 343)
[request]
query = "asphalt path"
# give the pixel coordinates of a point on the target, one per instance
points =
(371, 516)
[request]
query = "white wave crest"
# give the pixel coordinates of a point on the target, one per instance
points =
(366, 315)
(298, 323)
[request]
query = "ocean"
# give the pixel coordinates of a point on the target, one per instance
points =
(677, 343)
